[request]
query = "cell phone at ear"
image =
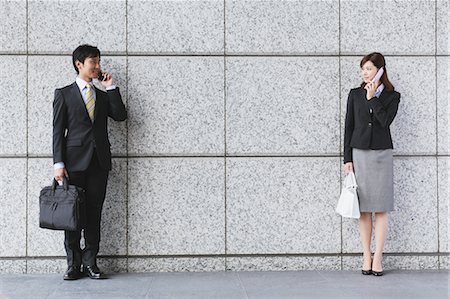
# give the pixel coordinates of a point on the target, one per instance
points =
(100, 76)
(378, 75)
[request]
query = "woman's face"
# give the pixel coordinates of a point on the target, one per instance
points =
(368, 71)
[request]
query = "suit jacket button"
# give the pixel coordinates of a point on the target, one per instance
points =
(370, 124)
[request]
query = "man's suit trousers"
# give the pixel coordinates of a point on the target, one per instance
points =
(93, 180)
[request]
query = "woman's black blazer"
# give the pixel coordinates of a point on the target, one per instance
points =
(365, 130)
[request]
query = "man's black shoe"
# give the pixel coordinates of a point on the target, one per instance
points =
(72, 273)
(94, 272)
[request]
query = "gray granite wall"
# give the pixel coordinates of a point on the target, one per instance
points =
(231, 158)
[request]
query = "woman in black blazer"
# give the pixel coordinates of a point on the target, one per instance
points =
(371, 108)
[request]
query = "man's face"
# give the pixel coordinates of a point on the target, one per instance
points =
(90, 68)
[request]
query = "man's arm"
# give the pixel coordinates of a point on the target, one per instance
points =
(116, 108)
(59, 127)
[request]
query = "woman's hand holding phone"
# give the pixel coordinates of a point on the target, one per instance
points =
(371, 87)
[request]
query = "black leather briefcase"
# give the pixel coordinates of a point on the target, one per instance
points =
(62, 207)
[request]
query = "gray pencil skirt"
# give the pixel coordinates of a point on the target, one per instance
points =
(374, 172)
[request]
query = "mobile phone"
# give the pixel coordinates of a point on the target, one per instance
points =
(100, 75)
(378, 75)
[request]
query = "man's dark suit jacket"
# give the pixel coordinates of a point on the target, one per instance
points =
(364, 130)
(75, 135)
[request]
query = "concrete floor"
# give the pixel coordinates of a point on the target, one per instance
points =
(299, 284)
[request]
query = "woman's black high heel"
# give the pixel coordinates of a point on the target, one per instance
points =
(376, 273)
(367, 272)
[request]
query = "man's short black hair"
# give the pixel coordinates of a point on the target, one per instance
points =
(82, 52)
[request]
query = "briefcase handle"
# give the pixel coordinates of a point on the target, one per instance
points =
(65, 184)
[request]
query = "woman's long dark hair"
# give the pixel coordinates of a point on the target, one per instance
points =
(378, 61)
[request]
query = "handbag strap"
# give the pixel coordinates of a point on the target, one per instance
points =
(350, 180)
(65, 184)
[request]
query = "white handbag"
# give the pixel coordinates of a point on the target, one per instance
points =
(348, 204)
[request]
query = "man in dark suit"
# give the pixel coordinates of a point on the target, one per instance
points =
(81, 151)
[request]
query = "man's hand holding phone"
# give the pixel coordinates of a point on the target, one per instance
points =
(105, 79)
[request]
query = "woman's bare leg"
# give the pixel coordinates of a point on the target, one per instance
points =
(381, 230)
(365, 229)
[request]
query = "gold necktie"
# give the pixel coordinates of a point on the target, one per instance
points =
(90, 102)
